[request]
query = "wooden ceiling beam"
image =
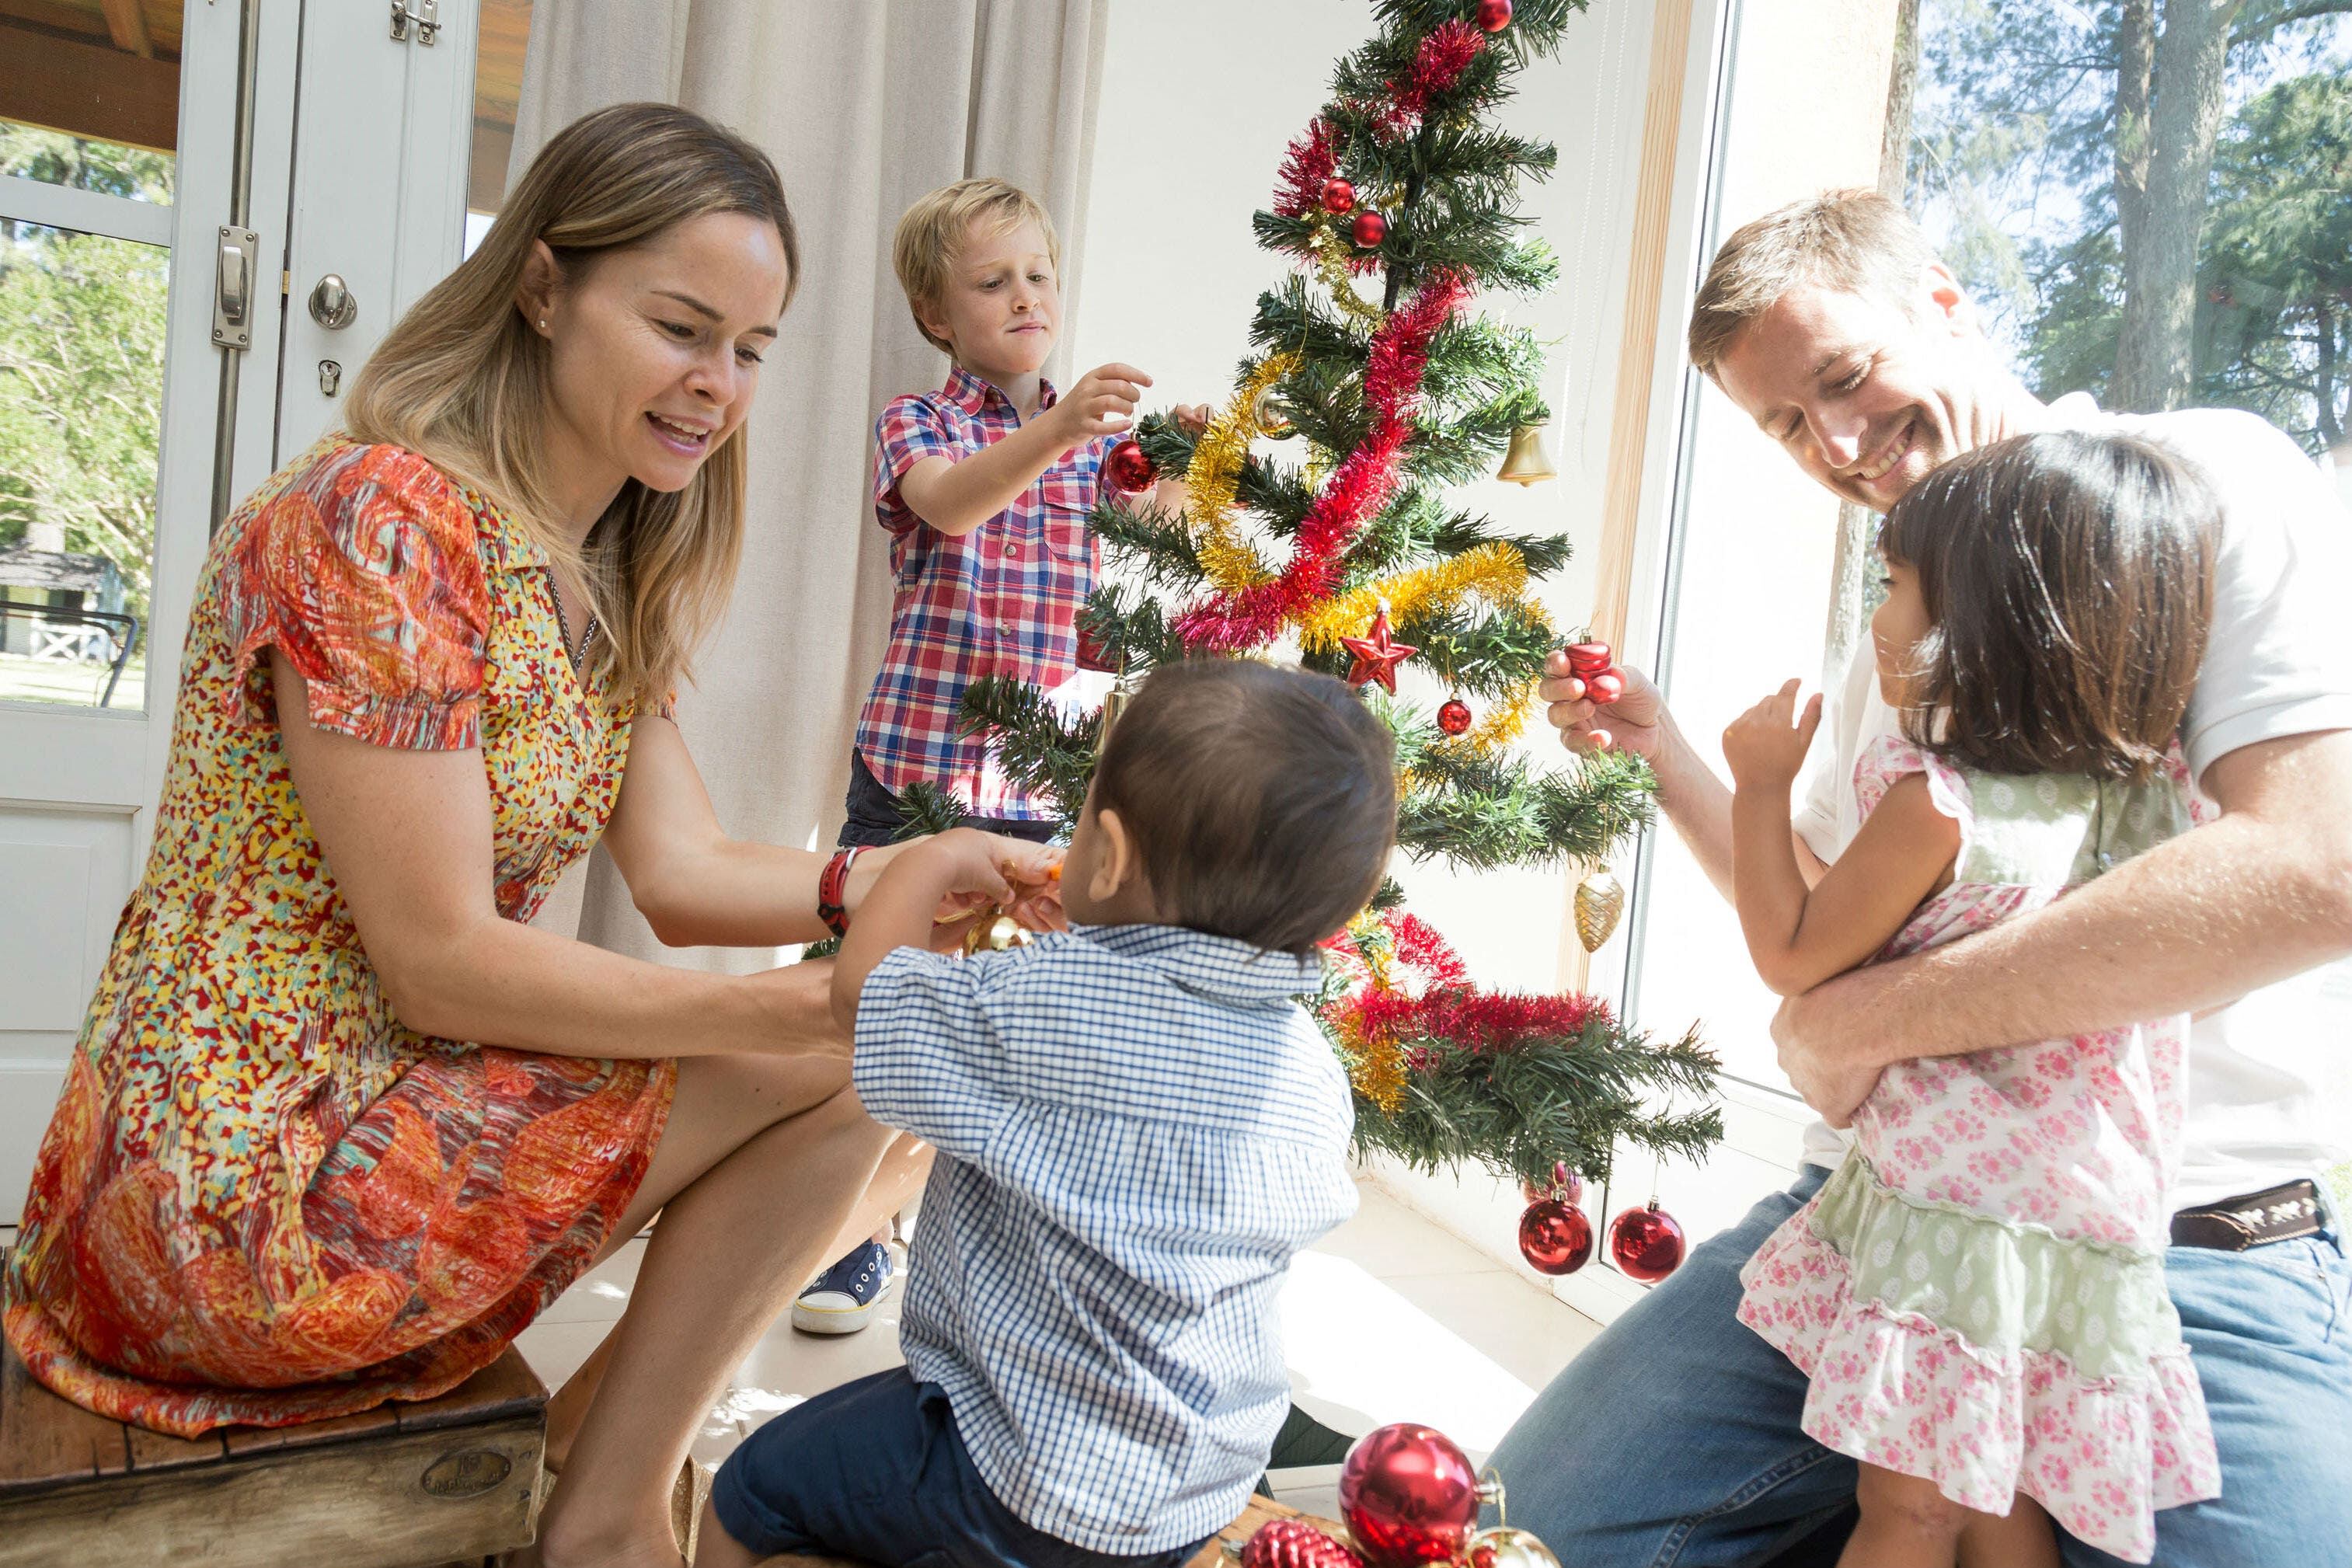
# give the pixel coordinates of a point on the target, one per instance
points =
(90, 90)
(126, 24)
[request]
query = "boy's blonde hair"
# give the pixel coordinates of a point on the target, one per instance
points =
(1853, 241)
(933, 232)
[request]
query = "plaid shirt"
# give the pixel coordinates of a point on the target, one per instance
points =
(1138, 1127)
(1000, 600)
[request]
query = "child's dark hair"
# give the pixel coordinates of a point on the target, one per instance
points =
(1263, 802)
(2068, 579)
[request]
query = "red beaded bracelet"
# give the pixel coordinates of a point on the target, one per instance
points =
(832, 889)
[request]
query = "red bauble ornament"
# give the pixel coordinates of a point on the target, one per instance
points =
(1647, 1244)
(1127, 468)
(1454, 716)
(1295, 1543)
(1566, 1185)
(1587, 659)
(1409, 1496)
(1370, 228)
(1555, 1237)
(1494, 14)
(1339, 195)
(1377, 654)
(1606, 687)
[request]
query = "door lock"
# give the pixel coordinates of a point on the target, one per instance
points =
(233, 288)
(425, 13)
(332, 305)
(330, 377)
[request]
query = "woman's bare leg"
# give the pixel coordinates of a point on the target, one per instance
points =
(900, 1176)
(758, 1172)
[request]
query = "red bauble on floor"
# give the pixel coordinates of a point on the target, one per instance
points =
(1127, 468)
(1555, 1237)
(1370, 228)
(1409, 1495)
(1647, 1244)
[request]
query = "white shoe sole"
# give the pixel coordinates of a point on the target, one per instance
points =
(811, 1320)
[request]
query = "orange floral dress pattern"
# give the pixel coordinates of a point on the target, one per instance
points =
(261, 1199)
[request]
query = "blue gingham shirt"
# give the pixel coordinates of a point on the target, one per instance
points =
(1138, 1127)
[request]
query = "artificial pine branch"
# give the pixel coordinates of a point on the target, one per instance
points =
(1038, 749)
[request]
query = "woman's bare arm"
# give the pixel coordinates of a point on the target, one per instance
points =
(407, 836)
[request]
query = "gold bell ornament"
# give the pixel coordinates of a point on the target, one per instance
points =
(1502, 1547)
(1527, 462)
(1600, 899)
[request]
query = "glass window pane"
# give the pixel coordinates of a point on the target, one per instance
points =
(90, 95)
(497, 89)
(81, 386)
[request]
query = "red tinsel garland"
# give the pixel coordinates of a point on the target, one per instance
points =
(1354, 493)
(1437, 65)
(1312, 158)
(1463, 1015)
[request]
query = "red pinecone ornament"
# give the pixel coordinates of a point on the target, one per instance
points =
(1370, 228)
(1494, 14)
(1127, 468)
(1295, 1543)
(1454, 716)
(1339, 195)
(1587, 659)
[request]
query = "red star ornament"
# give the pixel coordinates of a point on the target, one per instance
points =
(1376, 655)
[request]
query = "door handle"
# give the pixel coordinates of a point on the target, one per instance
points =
(332, 305)
(233, 288)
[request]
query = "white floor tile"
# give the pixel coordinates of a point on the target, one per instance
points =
(556, 1349)
(1522, 1327)
(601, 1294)
(1389, 1241)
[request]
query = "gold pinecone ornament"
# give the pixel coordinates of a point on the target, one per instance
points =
(1599, 902)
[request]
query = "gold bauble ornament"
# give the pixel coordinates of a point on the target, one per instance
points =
(994, 933)
(1600, 899)
(1527, 462)
(1265, 412)
(1502, 1547)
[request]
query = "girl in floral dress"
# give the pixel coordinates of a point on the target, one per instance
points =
(1977, 1292)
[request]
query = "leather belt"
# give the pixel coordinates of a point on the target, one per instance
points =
(2255, 1219)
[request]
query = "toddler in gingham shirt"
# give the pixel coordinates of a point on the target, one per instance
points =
(1138, 1125)
(984, 487)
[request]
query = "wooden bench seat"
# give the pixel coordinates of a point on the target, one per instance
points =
(401, 1486)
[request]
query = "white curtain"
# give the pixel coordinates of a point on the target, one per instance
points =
(864, 107)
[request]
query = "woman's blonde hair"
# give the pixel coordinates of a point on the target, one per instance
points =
(462, 379)
(935, 230)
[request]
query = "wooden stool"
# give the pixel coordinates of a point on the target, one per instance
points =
(396, 1487)
(1259, 1510)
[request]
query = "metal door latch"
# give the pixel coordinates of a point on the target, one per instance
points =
(425, 13)
(233, 288)
(330, 377)
(332, 305)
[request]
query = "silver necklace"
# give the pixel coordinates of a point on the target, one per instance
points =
(577, 652)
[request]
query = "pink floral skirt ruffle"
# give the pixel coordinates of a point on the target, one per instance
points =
(1899, 1390)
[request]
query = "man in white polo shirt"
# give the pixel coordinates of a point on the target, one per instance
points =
(1674, 1436)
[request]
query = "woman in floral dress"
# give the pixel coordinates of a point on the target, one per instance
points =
(1977, 1294)
(341, 1122)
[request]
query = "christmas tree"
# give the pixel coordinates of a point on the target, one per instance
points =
(1394, 210)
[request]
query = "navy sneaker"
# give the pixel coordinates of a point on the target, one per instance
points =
(844, 1297)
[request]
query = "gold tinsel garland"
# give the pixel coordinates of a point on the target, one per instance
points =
(1332, 255)
(1214, 474)
(1496, 572)
(1375, 1065)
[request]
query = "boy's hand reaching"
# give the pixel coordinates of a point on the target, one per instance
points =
(984, 871)
(1101, 403)
(1767, 745)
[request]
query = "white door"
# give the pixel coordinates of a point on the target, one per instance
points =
(119, 212)
(359, 159)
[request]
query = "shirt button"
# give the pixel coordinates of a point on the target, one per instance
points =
(1004, 628)
(1013, 553)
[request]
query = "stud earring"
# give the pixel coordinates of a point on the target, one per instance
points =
(543, 323)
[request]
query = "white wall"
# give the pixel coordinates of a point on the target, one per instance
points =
(1172, 276)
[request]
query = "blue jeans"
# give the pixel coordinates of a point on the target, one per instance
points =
(1674, 1439)
(870, 814)
(874, 1470)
